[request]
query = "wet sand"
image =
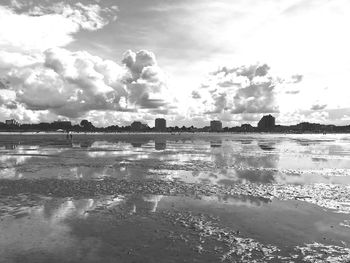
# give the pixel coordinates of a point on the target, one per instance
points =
(174, 198)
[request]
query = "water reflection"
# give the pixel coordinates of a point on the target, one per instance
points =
(265, 168)
(11, 146)
(142, 203)
(139, 143)
(86, 144)
(215, 144)
(241, 200)
(160, 145)
(247, 141)
(57, 228)
(211, 159)
(266, 147)
(136, 144)
(103, 229)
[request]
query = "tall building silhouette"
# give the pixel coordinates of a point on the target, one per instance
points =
(267, 123)
(215, 126)
(160, 125)
(12, 122)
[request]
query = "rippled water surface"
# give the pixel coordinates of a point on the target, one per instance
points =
(175, 198)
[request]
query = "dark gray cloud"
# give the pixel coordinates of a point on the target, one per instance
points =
(220, 103)
(249, 71)
(195, 95)
(3, 84)
(139, 95)
(318, 107)
(262, 70)
(11, 105)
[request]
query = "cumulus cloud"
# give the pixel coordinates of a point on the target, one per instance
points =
(42, 78)
(137, 62)
(146, 82)
(69, 84)
(72, 84)
(239, 90)
(3, 84)
(39, 77)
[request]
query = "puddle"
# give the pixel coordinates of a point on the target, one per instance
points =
(154, 228)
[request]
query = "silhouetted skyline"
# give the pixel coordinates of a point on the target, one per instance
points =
(266, 124)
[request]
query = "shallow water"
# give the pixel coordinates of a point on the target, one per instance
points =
(175, 198)
(215, 159)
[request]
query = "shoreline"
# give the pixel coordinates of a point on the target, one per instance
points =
(160, 133)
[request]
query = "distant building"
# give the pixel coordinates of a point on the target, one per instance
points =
(266, 123)
(12, 122)
(160, 125)
(215, 126)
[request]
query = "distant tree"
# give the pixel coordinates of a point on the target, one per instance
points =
(183, 128)
(87, 125)
(84, 123)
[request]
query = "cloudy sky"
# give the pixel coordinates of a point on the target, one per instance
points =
(190, 61)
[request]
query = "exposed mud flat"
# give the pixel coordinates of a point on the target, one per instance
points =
(154, 228)
(174, 198)
(335, 197)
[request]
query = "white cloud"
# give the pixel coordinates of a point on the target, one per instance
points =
(25, 35)
(238, 90)
(22, 32)
(305, 38)
(43, 79)
(16, 59)
(69, 83)
(73, 84)
(146, 83)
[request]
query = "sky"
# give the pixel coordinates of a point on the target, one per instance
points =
(189, 61)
